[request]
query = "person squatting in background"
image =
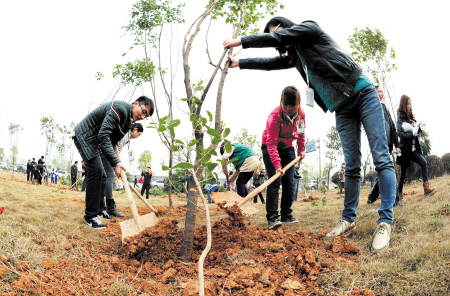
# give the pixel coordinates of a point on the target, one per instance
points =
(338, 84)
(246, 163)
(146, 186)
(135, 131)
(258, 179)
(210, 188)
(98, 132)
(392, 138)
(408, 130)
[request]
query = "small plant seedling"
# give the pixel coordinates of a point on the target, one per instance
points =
(313, 203)
(56, 190)
(434, 222)
(324, 201)
(62, 191)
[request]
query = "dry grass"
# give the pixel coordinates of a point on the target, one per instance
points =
(37, 218)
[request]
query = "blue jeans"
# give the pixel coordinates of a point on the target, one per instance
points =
(287, 155)
(214, 188)
(365, 108)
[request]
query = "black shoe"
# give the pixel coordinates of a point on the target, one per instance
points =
(371, 199)
(274, 223)
(370, 202)
(398, 204)
(104, 214)
(111, 208)
(289, 219)
(95, 223)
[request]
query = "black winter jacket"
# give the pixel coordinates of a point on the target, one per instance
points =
(103, 128)
(318, 51)
(73, 172)
(29, 167)
(147, 177)
(406, 139)
(391, 131)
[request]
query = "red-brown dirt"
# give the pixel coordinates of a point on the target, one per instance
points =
(244, 260)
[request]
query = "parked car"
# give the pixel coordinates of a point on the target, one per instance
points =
(312, 185)
(159, 184)
(333, 186)
(22, 169)
(3, 165)
(63, 173)
(11, 166)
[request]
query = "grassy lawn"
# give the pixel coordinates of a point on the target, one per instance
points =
(40, 221)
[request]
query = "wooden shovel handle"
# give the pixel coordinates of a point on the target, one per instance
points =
(129, 196)
(268, 182)
(142, 198)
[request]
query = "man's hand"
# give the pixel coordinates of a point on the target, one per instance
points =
(234, 62)
(280, 171)
(398, 150)
(118, 168)
(231, 42)
(302, 155)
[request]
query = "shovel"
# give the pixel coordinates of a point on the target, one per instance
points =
(136, 225)
(230, 198)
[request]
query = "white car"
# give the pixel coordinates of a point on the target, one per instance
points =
(63, 173)
(3, 165)
(159, 184)
(312, 185)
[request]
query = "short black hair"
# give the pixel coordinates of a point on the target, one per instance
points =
(146, 101)
(76, 161)
(33, 158)
(278, 20)
(42, 156)
(139, 127)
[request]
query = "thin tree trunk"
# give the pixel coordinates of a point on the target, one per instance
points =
(189, 227)
(169, 189)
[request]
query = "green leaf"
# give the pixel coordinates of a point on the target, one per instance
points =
(228, 147)
(210, 116)
(165, 168)
(193, 117)
(226, 132)
(185, 99)
(214, 133)
(211, 166)
(216, 141)
(193, 142)
(172, 131)
(162, 128)
(197, 101)
(179, 142)
(183, 165)
(232, 160)
(174, 147)
(174, 123)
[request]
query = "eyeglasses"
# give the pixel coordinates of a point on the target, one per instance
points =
(144, 111)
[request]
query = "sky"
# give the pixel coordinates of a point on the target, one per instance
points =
(52, 50)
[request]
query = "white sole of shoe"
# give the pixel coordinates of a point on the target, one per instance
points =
(345, 234)
(378, 251)
(275, 227)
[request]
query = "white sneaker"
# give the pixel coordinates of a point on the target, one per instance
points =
(342, 228)
(381, 237)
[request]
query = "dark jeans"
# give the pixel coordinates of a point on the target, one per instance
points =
(145, 187)
(287, 181)
(95, 184)
(110, 174)
(261, 197)
(416, 157)
(365, 109)
(29, 175)
(241, 181)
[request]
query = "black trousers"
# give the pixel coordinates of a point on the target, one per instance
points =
(37, 177)
(418, 158)
(145, 187)
(108, 191)
(83, 187)
(95, 184)
(29, 175)
(241, 181)
(255, 199)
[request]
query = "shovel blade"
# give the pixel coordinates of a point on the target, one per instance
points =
(230, 198)
(130, 227)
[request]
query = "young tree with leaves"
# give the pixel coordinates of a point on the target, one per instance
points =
(49, 128)
(145, 160)
(14, 130)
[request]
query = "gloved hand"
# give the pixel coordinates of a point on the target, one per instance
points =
(423, 126)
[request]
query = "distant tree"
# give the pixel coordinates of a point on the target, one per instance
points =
(435, 166)
(2, 154)
(145, 160)
(49, 129)
(445, 161)
(14, 130)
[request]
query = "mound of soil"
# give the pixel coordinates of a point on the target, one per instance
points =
(244, 260)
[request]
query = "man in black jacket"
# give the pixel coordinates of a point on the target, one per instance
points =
(98, 133)
(29, 170)
(41, 160)
(33, 164)
(38, 171)
(392, 137)
(74, 172)
(337, 84)
(147, 182)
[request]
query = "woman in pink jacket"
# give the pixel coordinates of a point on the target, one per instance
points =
(286, 124)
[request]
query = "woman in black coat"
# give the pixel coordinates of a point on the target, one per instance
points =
(408, 129)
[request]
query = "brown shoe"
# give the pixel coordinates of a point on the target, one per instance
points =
(427, 190)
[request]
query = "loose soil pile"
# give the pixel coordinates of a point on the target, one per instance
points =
(244, 260)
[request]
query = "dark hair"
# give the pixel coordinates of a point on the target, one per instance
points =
(33, 158)
(222, 148)
(146, 101)
(278, 20)
(139, 127)
(282, 22)
(290, 96)
(42, 156)
(76, 161)
(403, 107)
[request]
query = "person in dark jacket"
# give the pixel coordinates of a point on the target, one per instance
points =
(408, 129)
(147, 182)
(135, 181)
(33, 164)
(74, 173)
(83, 175)
(392, 137)
(29, 170)
(41, 160)
(98, 132)
(38, 171)
(337, 84)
